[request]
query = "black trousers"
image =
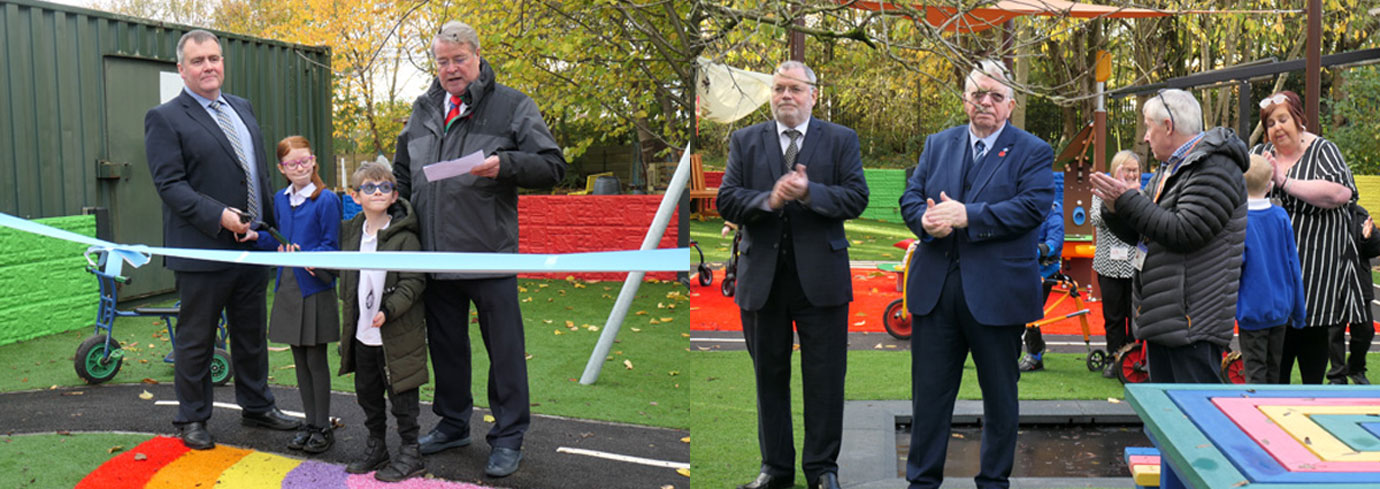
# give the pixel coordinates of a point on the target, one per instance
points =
(1034, 340)
(1116, 311)
(1338, 349)
(240, 291)
(1196, 363)
(940, 343)
(448, 335)
(1308, 345)
(1261, 351)
(371, 383)
(823, 361)
(1361, 336)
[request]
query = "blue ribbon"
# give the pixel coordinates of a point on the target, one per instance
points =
(662, 260)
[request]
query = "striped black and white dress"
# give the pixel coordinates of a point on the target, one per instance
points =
(1332, 294)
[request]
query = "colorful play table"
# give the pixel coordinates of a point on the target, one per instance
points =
(1220, 436)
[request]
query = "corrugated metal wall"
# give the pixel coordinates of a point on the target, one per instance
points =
(53, 97)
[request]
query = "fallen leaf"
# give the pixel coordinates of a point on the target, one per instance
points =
(140, 457)
(116, 448)
(685, 440)
(683, 471)
(667, 320)
(558, 332)
(627, 364)
(74, 393)
(640, 313)
(52, 387)
(1114, 400)
(569, 323)
(527, 299)
(653, 321)
(591, 327)
(543, 285)
(547, 321)
(958, 435)
(488, 418)
(279, 348)
(860, 323)
(529, 356)
(149, 381)
(522, 289)
(685, 335)
(668, 486)
(636, 330)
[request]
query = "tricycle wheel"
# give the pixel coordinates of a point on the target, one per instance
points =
(221, 369)
(897, 320)
(1096, 360)
(92, 362)
(706, 275)
(1233, 369)
(1131, 365)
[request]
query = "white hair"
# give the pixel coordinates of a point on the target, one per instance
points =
(1178, 106)
(992, 69)
(793, 64)
(456, 32)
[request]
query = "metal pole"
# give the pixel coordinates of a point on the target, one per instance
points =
(634, 280)
(1313, 72)
(1100, 130)
(1243, 106)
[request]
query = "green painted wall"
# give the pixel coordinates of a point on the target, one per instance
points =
(44, 283)
(884, 194)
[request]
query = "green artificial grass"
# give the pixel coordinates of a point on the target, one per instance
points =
(869, 240)
(652, 341)
(57, 460)
(723, 408)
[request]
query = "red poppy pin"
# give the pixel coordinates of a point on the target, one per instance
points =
(1002, 154)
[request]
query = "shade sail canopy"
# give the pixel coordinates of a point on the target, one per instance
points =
(983, 18)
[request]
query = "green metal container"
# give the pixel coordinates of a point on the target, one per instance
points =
(74, 87)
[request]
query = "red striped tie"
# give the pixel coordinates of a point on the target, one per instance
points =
(454, 111)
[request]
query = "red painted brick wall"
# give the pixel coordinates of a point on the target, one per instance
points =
(713, 179)
(584, 223)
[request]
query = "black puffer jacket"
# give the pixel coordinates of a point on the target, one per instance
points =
(1186, 290)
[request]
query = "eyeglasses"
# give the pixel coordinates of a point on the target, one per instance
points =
(1277, 99)
(369, 188)
(444, 63)
(299, 164)
(1160, 94)
(976, 97)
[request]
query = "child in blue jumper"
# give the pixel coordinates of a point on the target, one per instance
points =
(1271, 294)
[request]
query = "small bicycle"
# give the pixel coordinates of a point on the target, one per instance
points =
(99, 357)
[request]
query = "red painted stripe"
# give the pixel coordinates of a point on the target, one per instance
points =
(124, 472)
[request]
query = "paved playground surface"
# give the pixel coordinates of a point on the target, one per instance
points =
(558, 452)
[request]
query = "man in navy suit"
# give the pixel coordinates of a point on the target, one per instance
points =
(206, 156)
(976, 201)
(790, 184)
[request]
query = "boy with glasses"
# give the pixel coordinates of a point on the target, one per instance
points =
(385, 324)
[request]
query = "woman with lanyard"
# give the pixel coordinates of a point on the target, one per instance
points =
(1314, 186)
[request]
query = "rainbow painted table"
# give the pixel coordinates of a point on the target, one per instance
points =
(1263, 436)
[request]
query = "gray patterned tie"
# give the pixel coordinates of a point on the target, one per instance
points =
(792, 150)
(223, 119)
(979, 149)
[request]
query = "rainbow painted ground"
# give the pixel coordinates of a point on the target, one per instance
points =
(164, 463)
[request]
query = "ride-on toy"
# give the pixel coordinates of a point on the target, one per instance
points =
(99, 357)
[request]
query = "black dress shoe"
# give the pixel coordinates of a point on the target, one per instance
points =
(438, 440)
(827, 480)
(503, 462)
(273, 419)
(321, 439)
(195, 436)
(768, 481)
(299, 440)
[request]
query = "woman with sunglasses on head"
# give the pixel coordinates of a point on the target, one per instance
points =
(1314, 186)
(306, 315)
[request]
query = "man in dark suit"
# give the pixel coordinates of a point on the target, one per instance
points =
(790, 184)
(976, 201)
(206, 156)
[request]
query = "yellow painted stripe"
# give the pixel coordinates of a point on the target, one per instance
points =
(257, 470)
(1146, 475)
(1295, 421)
(196, 467)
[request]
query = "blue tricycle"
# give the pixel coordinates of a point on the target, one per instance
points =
(99, 357)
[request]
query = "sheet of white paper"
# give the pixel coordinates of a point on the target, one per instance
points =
(446, 169)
